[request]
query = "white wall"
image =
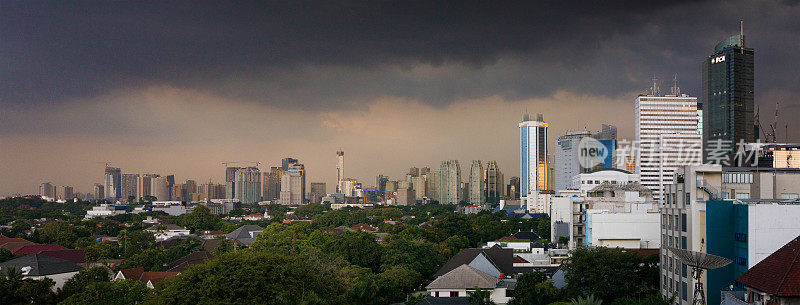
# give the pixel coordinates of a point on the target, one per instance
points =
(60, 279)
(770, 227)
(619, 229)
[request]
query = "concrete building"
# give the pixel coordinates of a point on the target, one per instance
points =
(512, 189)
(476, 182)
(570, 214)
(588, 181)
(493, 183)
(698, 217)
(64, 193)
(450, 182)
(144, 185)
(318, 190)
(339, 170)
(47, 190)
(667, 138)
(230, 184)
(159, 188)
(272, 184)
(247, 182)
(418, 183)
(99, 191)
(432, 180)
(129, 186)
(113, 183)
(212, 191)
(293, 187)
(567, 153)
(405, 196)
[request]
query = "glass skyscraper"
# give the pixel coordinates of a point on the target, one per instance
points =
(728, 96)
(533, 155)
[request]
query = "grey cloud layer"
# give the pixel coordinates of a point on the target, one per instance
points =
(261, 51)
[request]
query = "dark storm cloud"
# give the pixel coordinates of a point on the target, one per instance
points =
(56, 52)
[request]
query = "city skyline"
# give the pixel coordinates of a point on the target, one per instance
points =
(397, 108)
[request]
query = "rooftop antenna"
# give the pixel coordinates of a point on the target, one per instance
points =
(741, 33)
(654, 89)
(699, 262)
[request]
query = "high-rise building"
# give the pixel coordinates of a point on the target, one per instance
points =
(128, 186)
(493, 183)
(212, 191)
(450, 182)
(728, 98)
(533, 156)
(191, 186)
(99, 191)
(476, 195)
(424, 170)
(47, 190)
(247, 182)
(286, 162)
(113, 183)
(170, 185)
(432, 181)
(293, 187)
(512, 190)
(318, 190)
(144, 185)
(159, 188)
(272, 184)
(230, 177)
(64, 193)
(339, 170)
(179, 192)
(667, 138)
(567, 163)
(418, 184)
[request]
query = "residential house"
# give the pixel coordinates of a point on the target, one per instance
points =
(39, 266)
(166, 231)
(774, 280)
(465, 278)
(197, 257)
(149, 278)
(245, 234)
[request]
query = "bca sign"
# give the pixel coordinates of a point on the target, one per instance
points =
(592, 152)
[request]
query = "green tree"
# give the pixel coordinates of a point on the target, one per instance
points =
(121, 292)
(5, 255)
(246, 276)
(199, 219)
(535, 288)
(479, 297)
(134, 242)
(359, 248)
(152, 259)
(588, 300)
(417, 254)
(609, 274)
(395, 283)
(310, 210)
(96, 251)
(59, 232)
(78, 283)
(14, 289)
(223, 247)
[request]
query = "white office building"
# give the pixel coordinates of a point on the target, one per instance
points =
(533, 159)
(293, 187)
(667, 138)
(566, 163)
(476, 195)
(450, 182)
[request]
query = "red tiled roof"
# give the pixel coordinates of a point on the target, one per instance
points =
(12, 244)
(36, 249)
(778, 274)
(156, 276)
(132, 273)
(363, 226)
(519, 260)
(77, 256)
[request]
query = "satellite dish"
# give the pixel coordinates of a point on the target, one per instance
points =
(699, 261)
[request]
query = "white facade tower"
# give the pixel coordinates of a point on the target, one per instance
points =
(667, 138)
(476, 195)
(533, 156)
(339, 171)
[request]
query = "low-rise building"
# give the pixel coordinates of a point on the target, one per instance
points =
(40, 266)
(167, 231)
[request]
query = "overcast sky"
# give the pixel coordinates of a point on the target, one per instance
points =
(178, 89)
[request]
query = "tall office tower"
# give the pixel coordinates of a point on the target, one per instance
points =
(728, 98)
(128, 186)
(179, 192)
(667, 138)
(424, 170)
(449, 182)
(272, 184)
(159, 188)
(391, 186)
(493, 183)
(190, 187)
(64, 193)
(99, 191)
(380, 183)
(476, 195)
(318, 190)
(293, 186)
(339, 170)
(567, 163)
(47, 190)
(608, 137)
(533, 156)
(512, 190)
(144, 185)
(285, 162)
(170, 185)
(412, 172)
(432, 180)
(608, 132)
(247, 181)
(212, 190)
(113, 183)
(418, 184)
(230, 186)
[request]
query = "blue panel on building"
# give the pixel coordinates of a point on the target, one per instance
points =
(725, 224)
(611, 145)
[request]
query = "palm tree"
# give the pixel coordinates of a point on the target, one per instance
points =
(479, 297)
(589, 300)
